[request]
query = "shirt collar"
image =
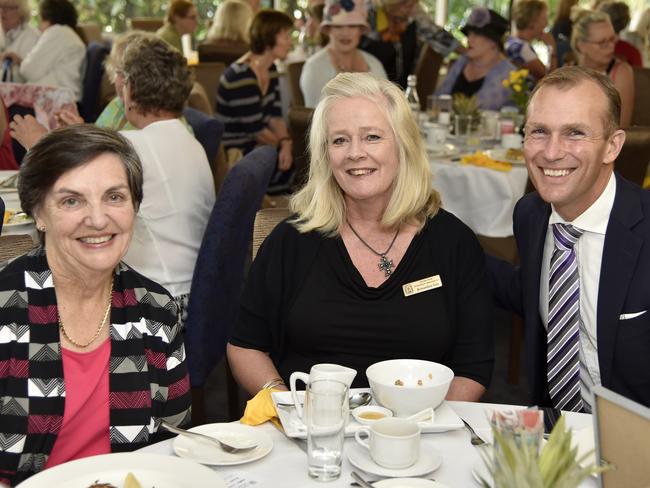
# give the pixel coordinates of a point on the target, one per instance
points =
(596, 217)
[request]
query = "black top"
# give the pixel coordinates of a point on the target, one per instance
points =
(467, 88)
(306, 303)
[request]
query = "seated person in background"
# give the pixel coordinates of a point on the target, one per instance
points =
(178, 184)
(398, 28)
(59, 56)
(344, 25)
(91, 358)
(230, 25)
(483, 67)
(594, 40)
(248, 97)
(584, 247)
(327, 285)
(530, 18)
(19, 35)
(619, 15)
(182, 18)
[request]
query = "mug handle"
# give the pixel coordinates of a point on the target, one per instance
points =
(304, 377)
(360, 441)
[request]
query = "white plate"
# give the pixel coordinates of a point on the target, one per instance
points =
(430, 460)
(480, 470)
(407, 483)
(445, 418)
(499, 154)
(149, 469)
(235, 434)
(442, 151)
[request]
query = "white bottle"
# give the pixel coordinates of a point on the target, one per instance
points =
(412, 96)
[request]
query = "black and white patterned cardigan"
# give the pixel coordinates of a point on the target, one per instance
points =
(148, 379)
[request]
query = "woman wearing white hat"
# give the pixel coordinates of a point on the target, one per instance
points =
(344, 21)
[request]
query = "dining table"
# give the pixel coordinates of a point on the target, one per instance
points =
(483, 198)
(286, 465)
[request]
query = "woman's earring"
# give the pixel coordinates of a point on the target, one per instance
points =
(41, 228)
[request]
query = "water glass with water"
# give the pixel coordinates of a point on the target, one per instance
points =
(326, 414)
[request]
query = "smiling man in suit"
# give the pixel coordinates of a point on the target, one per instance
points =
(583, 285)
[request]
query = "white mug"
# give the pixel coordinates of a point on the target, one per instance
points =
(436, 134)
(322, 371)
(393, 443)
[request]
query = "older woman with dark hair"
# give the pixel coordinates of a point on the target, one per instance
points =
(19, 35)
(58, 58)
(248, 98)
(329, 285)
(85, 371)
(178, 183)
(483, 67)
(182, 18)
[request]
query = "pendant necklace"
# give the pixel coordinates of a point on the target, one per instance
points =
(386, 265)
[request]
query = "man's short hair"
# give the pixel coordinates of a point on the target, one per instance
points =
(568, 77)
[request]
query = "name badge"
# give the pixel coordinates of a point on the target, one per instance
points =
(422, 285)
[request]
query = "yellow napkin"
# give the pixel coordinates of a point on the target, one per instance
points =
(260, 408)
(481, 159)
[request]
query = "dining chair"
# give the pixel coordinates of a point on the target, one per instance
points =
(427, 70)
(299, 123)
(14, 245)
(89, 32)
(208, 75)
(265, 221)
(219, 271)
(641, 112)
(149, 24)
(294, 70)
(632, 162)
(221, 52)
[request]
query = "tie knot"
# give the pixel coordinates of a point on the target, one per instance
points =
(566, 236)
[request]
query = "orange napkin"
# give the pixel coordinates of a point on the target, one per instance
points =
(481, 159)
(260, 408)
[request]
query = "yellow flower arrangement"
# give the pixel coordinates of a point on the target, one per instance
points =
(517, 82)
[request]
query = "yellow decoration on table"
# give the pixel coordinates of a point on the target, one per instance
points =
(481, 159)
(260, 408)
(518, 83)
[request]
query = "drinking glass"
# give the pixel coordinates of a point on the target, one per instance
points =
(466, 130)
(326, 414)
(439, 108)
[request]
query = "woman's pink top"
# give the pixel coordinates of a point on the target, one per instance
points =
(85, 429)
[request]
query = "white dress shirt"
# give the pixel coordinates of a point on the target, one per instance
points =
(178, 198)
(57, 59)
(589, 255)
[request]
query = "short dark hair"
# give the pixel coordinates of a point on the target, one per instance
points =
(619, 14)
(58, 12)
(178, 8)
(266, 25)
(568, 77)
(156, 75)
(65, 149)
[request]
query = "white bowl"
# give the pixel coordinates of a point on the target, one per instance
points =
(360, 414)
(407, 386)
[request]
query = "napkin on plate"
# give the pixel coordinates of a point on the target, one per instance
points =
(260, 408)
(481, 159)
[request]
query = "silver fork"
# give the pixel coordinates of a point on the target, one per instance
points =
(475, 440)
(206, 438)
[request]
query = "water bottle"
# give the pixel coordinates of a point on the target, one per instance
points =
(412, 96)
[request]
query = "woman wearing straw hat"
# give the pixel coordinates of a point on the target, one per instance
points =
(344, 21)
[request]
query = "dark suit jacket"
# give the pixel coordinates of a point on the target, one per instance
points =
(623, 345)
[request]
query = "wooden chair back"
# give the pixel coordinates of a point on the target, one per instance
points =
(208, 75)
(299, 123)
(294, 70)
(149, 24)
(641, 112)
(225, 53)
(426, 70)
(89, 32)
(199, 100)
(12, 246)
(265, 221)
(632, 162)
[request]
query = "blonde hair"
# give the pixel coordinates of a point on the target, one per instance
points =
(524, 12)
(582, 20)
(231, 22)
(320, 204)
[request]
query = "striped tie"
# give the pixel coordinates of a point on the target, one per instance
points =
(564, 321)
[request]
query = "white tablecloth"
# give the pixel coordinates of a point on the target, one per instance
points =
(482, 198)
(286, 465)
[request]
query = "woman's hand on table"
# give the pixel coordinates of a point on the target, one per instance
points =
(26, 130)
(67, 117)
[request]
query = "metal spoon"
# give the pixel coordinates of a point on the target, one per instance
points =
(360, 399)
